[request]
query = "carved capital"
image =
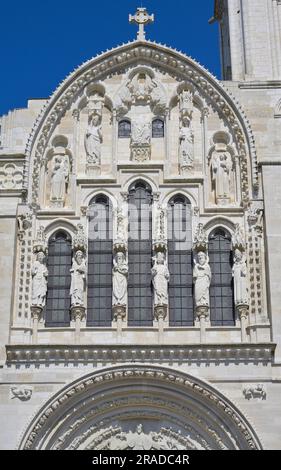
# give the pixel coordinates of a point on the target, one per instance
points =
(202, 311)
(120, 246)
(119, 312)
(36, 312)
(160, 312)
(78, 313)
(242, 310)
(160, 245)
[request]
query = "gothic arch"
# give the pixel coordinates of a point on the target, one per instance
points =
(129, 55)
(62, 225)
(103, 409)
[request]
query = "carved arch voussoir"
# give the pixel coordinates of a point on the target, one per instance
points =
(231, 424)
(185, 68)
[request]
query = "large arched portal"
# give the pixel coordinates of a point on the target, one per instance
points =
(139, 407)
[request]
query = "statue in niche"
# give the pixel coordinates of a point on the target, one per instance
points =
(239, 273)
(221, 165)
(141, 132)
(93, 139)
(186, 138)
(78, 278)
(120, 279)
(59, 177)
(39, 281)
(202, 280)
(160, 279)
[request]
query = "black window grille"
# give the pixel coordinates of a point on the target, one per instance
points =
(140, 254)
(124, 129)
(57, 312)
(158, 128)
(99, 308)
(180, 262)
(221, 290)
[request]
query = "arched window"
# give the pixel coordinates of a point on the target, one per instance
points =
(99, 306)
(124, 129)
(180, 262)
(221, 290)
(140, 253)
(157, 128)
(58, 296)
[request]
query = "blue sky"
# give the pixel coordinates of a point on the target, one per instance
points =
(42, 42)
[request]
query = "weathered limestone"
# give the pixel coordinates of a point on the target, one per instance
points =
(225, 162)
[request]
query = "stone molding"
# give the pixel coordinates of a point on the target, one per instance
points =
(77, 395)
(86, 354)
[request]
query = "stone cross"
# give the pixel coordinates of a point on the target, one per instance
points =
(141, 18)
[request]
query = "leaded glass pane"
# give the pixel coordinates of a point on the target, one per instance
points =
(100, 263)
(140, 309)
(180, 262)
(124, 129)
(57, 311)
(221, 290)
(157, 128)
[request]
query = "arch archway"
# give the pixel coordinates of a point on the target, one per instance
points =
(139, 407)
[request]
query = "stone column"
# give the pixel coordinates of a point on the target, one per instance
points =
(202, 280)
(78, 280)
(78, 314)
(120, 271)
(243, 313)
(240, 276)
(160, 315)
(202, 315)
(36, 315)
(119, 316)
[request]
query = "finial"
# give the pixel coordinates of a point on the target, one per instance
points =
(141, 18)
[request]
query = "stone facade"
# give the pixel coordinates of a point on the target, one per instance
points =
(220, 149)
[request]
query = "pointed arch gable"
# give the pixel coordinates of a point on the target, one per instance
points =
(167, 59)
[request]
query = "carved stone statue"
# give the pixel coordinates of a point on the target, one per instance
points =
(186, 141)
(160, 279)
(202, 280)
(21, 392)
(120, 279)
(59, 178)
(239, 272)
(78, 278)
(221, 174)
(39, 281)
(140, 87)
(141, 132)
(93, 139)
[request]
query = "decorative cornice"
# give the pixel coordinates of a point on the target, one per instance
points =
(86, 354)
(128, 54)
